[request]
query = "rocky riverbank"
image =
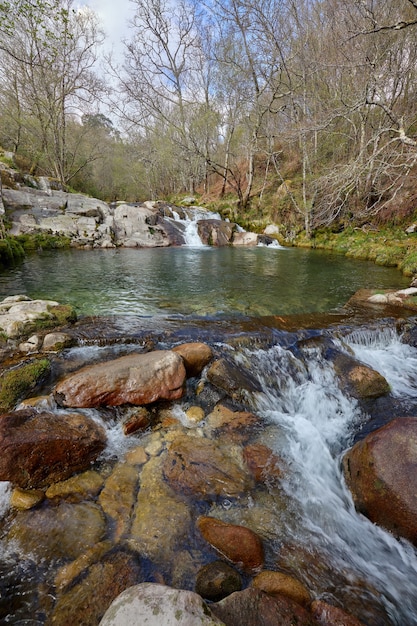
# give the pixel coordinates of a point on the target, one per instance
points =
(144, 467)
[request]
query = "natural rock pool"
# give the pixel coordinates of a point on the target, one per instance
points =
(196, 281)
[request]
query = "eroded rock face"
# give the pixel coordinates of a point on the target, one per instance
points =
(154, 605)
(37, 449)
(134, 379)
(238, 544)
(200, 467)
(380, 471)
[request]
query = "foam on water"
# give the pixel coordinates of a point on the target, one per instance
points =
(315, 421)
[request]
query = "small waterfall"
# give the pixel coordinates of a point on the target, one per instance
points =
(314, 424)
(189, 222)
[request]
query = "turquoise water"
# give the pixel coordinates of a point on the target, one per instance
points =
(196, 281)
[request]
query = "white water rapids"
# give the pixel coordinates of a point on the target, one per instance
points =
(312, 423)
(315, 425)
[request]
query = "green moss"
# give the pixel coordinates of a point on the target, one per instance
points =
(10, 252)
(43, 241)
(16, 384)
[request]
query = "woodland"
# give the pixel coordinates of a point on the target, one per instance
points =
(300, 112)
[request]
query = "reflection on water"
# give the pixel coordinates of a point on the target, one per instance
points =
(196, 281)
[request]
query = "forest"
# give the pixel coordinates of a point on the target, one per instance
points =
(301, 112)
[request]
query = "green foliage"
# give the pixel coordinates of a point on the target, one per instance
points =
(16, 384)
(11, 252)
(43, 241)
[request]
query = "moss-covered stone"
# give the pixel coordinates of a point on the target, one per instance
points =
(16, 384)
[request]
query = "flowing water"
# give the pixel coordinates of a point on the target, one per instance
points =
(311, 421)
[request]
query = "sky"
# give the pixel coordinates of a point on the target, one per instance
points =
(114, 15)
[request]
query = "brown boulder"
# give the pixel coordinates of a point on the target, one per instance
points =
(198, 466)
(195, 356)
(238, 544)
(381, 473)
(134, 379)
(252, 607)
(328, 615)
(360, 380)
(37, 449)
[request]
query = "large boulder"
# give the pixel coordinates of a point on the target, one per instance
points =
(134, 379)
(137, 226)
(39, 448)
(216, 232)
(195, 356)
(360, 380)
(157, 605)
(381, 473)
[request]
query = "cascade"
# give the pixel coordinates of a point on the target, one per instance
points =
(315, 423)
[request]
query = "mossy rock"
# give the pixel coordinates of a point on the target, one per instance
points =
(17, 383)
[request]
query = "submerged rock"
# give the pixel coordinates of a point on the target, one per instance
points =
(63, 531)
(39, 448)
(380, 471)
(238, 544)
(205, 469)
(217, 580)
(135, 379)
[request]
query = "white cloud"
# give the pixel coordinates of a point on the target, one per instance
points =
(114, 16)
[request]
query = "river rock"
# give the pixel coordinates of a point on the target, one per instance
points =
(328, 615)
(135, 379)
(19, 314)
(217, 580)
(215, 232)
(77, 488)
(86, 602)
(205, 469)
(264, 465)
(238, 426)
(240, 545)
(161, 521)
(118, 496)
(278, 583)
(360, 380)
(233, 380)
(195, 356)
(38, 448)
(63, 531)
(69, 572)
(245, 239)
(53, 342)
(139, 419)
(25, 499)
(252, 607)
(380, 471)
(157, 605)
